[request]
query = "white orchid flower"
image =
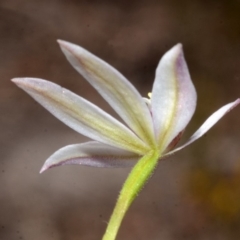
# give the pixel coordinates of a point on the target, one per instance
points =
(152, 127)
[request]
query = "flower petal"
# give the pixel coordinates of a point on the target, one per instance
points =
(81, 115)
(93, 154)
(121, 95)
(173, 96)
(211, 121)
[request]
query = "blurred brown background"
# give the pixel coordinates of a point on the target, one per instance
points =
(192, 195)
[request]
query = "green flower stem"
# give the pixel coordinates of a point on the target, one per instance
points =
(134, 183)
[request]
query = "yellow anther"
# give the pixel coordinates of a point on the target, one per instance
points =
(150, 95)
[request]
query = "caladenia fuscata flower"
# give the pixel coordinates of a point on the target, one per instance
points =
(153, 126)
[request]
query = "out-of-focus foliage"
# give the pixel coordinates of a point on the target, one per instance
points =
(217, 193)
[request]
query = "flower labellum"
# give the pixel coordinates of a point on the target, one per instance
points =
(152, 127)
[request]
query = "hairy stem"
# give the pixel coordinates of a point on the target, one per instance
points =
(134, 183)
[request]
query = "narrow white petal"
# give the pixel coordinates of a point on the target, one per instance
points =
(93, 154)
(173, 96)
(211, 121)
(121, 95)
(81, 115)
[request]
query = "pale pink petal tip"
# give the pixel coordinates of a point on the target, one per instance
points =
(63, 43)
(24, 81)
(59, 41)
(17, 80)
(178, 46)
(44, 168)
